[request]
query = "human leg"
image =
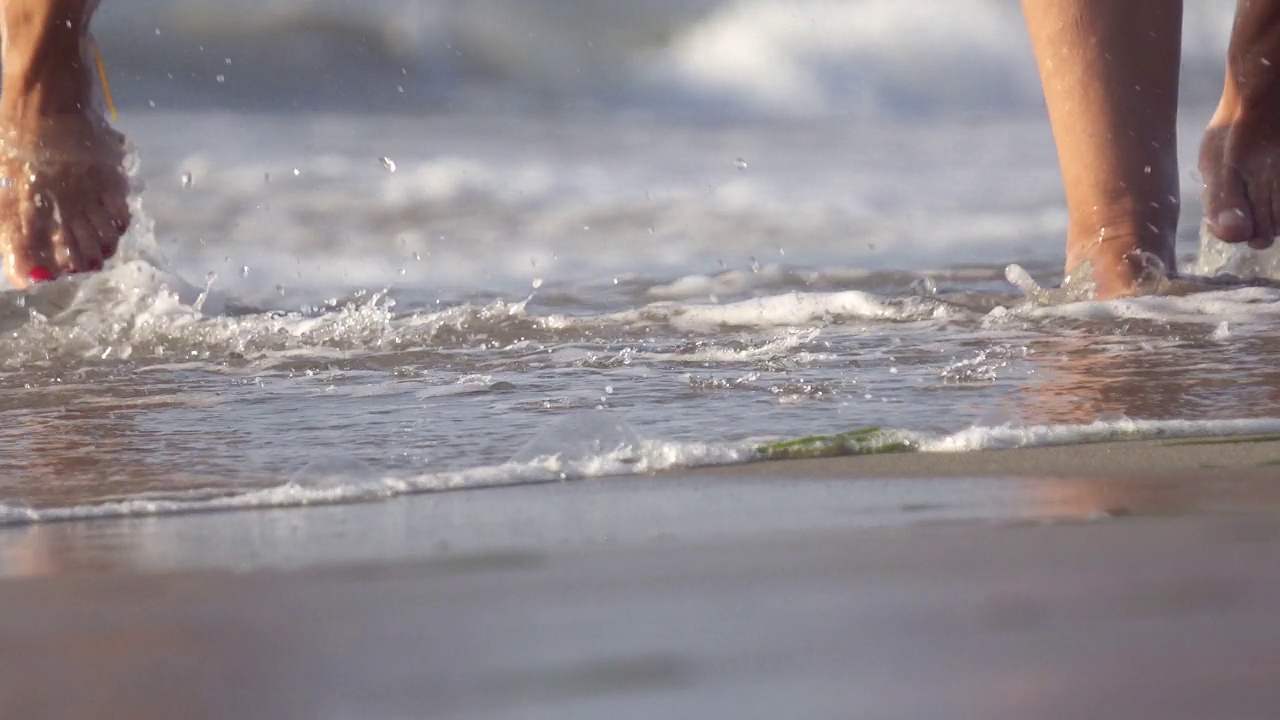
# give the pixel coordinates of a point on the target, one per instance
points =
(63, 191)
(1110, 76)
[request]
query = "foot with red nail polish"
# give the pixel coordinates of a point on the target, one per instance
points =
(63, 189)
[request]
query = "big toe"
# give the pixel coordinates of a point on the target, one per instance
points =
(1228, 212)
(30, 263)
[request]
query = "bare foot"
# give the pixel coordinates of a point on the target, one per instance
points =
(1240, 155)
(1122, 261)
(63, 188)
(63, 196)
(1240, 163)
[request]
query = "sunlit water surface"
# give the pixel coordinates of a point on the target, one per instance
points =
(321, 307)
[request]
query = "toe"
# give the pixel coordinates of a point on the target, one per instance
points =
(1262, 242)
(107, 230)
(112, 190)
(66, 251)
(1228, 210)
(29, 252)
(1264, 229)
(28, 263)
(90, 242)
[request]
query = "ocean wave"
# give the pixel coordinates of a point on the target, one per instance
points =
(138, 310)
(596, 444)
(768, 56)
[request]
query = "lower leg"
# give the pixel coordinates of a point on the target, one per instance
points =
(45, 67)
(1240, 156)
(1110, 76)
(63, 200)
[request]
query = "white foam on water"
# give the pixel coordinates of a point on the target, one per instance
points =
(786, 310)
(1008, 437)
(799, 308)
(136, 309)
(783, 347)
(647, 456)
(1245, 306)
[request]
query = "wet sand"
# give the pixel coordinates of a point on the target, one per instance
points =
(1115, 580)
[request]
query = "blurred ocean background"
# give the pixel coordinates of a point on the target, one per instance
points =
(397, 245)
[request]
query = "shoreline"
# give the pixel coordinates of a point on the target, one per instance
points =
(898, 585)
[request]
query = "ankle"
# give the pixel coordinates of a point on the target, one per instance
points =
(46, 64)
(1125, 238)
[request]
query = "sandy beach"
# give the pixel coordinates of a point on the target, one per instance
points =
(1114, 580)
(460, 265)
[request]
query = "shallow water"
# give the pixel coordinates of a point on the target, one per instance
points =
(348, 323)
(327, 302)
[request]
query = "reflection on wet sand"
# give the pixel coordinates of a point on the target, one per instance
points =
(969, 619)
(125, 651)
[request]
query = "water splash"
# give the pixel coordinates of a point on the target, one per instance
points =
(579, 438)
(1234, 262)
(1080, 286)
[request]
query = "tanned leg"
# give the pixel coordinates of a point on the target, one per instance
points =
(1110, 75)
(63, 191)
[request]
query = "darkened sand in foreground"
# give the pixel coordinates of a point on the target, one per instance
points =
(1135, 580)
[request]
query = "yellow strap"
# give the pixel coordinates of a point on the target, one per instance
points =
(102, 75)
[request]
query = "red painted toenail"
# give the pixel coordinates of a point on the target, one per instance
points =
(39, 275)
(95, 265)
(108, 251)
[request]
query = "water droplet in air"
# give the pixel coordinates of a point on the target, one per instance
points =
(537, 283)
(280, 290)
(417, 256)
(387, 163)
(296, 172)
(220, 78)
(740, 164)
(5, 183)
(755, 265)
(244, 271)
(187, 181)
(227, 61)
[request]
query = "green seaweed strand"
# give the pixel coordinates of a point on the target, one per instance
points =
(863, 441)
